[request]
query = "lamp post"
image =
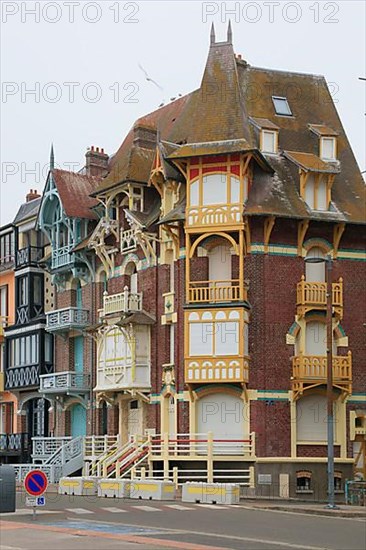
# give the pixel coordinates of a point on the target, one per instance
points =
(330, 419)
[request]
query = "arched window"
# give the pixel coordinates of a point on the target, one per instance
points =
(315, 272)
(131, 271)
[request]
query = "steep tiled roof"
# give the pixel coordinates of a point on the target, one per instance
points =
(27, 210)
(74, 190)
(233, 95)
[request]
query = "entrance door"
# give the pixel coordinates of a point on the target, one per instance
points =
(223, 415)
(134, 426)
(78, 420)
(171, 417)
(37, 418)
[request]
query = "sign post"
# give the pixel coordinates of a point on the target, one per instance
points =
(35, 483)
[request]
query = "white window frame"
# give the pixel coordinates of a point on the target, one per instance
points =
(274, 135)
(334, 148)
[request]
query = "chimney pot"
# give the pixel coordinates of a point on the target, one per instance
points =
(96, 161)
(33, 194)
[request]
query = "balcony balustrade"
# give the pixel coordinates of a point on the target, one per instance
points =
(216, 291)
(65, 383)
(313, 295)
(214, 369)
(128, 241)
(29, 256)
(63, 320)
(22, 377)
(62, 257)
(222, 215)
(123, 302)
(309, 371)
(14, 444)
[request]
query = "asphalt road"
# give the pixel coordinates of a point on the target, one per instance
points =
(93, 523)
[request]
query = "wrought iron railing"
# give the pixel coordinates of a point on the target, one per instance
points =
(14, 443)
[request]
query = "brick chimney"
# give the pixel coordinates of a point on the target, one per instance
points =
(144, 135)
(96, 162)
(33, 194)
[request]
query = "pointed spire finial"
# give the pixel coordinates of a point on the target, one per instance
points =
(212, 37)
(52, 158)
(229, 33)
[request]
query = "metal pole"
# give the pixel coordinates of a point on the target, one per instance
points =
(330, 420)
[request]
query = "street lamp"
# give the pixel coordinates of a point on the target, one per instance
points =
(330, 421)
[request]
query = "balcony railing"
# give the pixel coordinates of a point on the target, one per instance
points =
(62, 257)
(23, 377)
(65, 382)
(6, 262)
(124, 302)
(214, 215)
(216, 291)
(66, 319)
(311, 370)
(214, 369)
(128, 241)
(29, 256)
(313, 295)
(14, 444)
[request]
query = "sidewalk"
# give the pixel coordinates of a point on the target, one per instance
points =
(344, 510)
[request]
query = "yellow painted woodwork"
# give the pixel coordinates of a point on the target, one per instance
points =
(309, 371)
(337, 235)
(301, 232)
(313, 295)
(268, 226)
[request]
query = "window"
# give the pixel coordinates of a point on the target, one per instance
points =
(23, 351)
(4, 301)
(269, 141)
(338, 481)
(37, 290)
(303, 481)
(23, 291)
(316, 192)
(328, 148)
(48, 348)
(216, 189)
(214, 335)
(311, 419)
(134, 404)
(6, 248)
(281, 106)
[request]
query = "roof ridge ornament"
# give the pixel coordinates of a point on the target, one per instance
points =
(229, 33)
(212, 35)
(52, 158)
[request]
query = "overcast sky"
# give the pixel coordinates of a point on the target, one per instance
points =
(98, 46)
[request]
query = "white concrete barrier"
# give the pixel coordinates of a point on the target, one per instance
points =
(114, 488)
(80, 486)
(148, 489)
(211, 493)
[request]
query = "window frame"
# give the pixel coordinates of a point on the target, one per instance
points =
(321, 148)
(199, 182)
(281, 98)
(274, 133)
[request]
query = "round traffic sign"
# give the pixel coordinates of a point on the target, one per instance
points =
(35, 483)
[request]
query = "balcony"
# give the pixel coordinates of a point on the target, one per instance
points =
(311, 295)
(22, 377)
(70, 318)
(216, 369)
(28, 256)
(3, 325)
(309, 371)
(222, 215)
(123, 376)
(216, 292)
(128, 241)
(65, 383)
(14, 444)
(62, 257)
(124, 302)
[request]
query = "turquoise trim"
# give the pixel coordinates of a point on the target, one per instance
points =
(273, 399)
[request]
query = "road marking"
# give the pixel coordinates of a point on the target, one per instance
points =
(28, 511)
(147, 508)
(113, 510)
(178, 507)
(213, 506)
(79, 511)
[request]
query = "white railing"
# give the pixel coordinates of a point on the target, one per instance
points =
(44, 447)
(123, 302)
(67, 318)
(53, 472)
(62, 256)
(128, 241)
(64, 382)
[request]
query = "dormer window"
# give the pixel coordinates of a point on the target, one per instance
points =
(281, 106)
(269, 141)
(328, 148)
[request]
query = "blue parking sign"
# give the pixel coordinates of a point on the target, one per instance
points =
(41, 501)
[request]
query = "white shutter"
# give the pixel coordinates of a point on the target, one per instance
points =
(311, 418)
(219, 263)
(316, 338)
(315, 272)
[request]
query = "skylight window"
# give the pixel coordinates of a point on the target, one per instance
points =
(281, 106)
